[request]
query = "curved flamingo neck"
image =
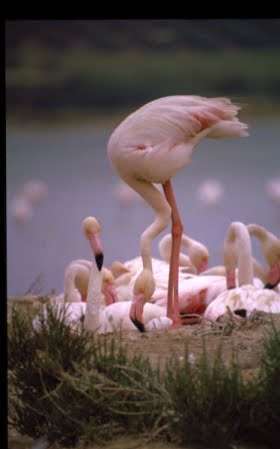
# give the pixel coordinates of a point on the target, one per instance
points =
(238, 251)
(70, 290)
(259, 270)
(165, 250)
(258, 231)
(163, 213)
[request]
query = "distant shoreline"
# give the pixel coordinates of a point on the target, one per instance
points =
(93, 117)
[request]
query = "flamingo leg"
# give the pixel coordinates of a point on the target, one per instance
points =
(173, 311)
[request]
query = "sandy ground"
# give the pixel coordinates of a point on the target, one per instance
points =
(245, 335)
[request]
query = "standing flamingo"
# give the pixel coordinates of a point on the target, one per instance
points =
(238, 253)
(117, 316)
(150, 146)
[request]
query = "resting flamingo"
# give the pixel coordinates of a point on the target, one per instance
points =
(197, 258)
(150, 146)
(126, 273)
(117, 316)
(73, 312)
(76, 278)
(238, 253)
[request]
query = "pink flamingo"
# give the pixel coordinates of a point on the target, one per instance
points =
(126, 273)
(116, 316)
(238, 253)
(150, 146)
(76, 279)
(197, 258)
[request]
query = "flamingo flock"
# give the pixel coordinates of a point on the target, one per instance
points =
(149, 147)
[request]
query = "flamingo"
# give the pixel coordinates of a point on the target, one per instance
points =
(117, 316)
(270, 245)
(21, 210)
(35, 191)
(76, 279)
(210, 192)
(238, 252)
(150, 146)
(195, 293)
(272, 188)
(126, 273)
(197, 258)
(75, 310)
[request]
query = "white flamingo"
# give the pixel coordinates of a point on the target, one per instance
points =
(197, 258)
(35, 191)
(272, 188)
(118, 316)
(76, 279)
(238, 253)
(74, 311)
(210, 192)
(21, 210)
(150, 146)
(126, 273)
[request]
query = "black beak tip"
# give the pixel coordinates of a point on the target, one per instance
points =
(241, 312)
(269, 286)
(99, 260)
(140, 326)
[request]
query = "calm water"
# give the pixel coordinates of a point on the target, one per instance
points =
(73, 162)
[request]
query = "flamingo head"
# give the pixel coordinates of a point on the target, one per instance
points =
(199, 256)
(202, 263)
(273, 278)
(91, 229)
(144, 288)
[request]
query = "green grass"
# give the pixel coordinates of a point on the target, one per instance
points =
(45, 80)
(77, 387)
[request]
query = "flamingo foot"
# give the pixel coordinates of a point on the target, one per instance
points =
(176, 321)
(190, 320)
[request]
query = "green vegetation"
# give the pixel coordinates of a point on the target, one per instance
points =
(77, 387)
(84, 80)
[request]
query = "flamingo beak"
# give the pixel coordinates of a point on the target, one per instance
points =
(96, 246)
(136, 311)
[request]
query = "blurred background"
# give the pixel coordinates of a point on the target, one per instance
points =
(70, 83)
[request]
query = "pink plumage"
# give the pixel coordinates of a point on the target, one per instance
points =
(151, 145)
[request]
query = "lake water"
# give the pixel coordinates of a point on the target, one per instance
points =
(73, 162)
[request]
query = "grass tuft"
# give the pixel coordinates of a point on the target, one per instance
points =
(77, 387)
(205, 399)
